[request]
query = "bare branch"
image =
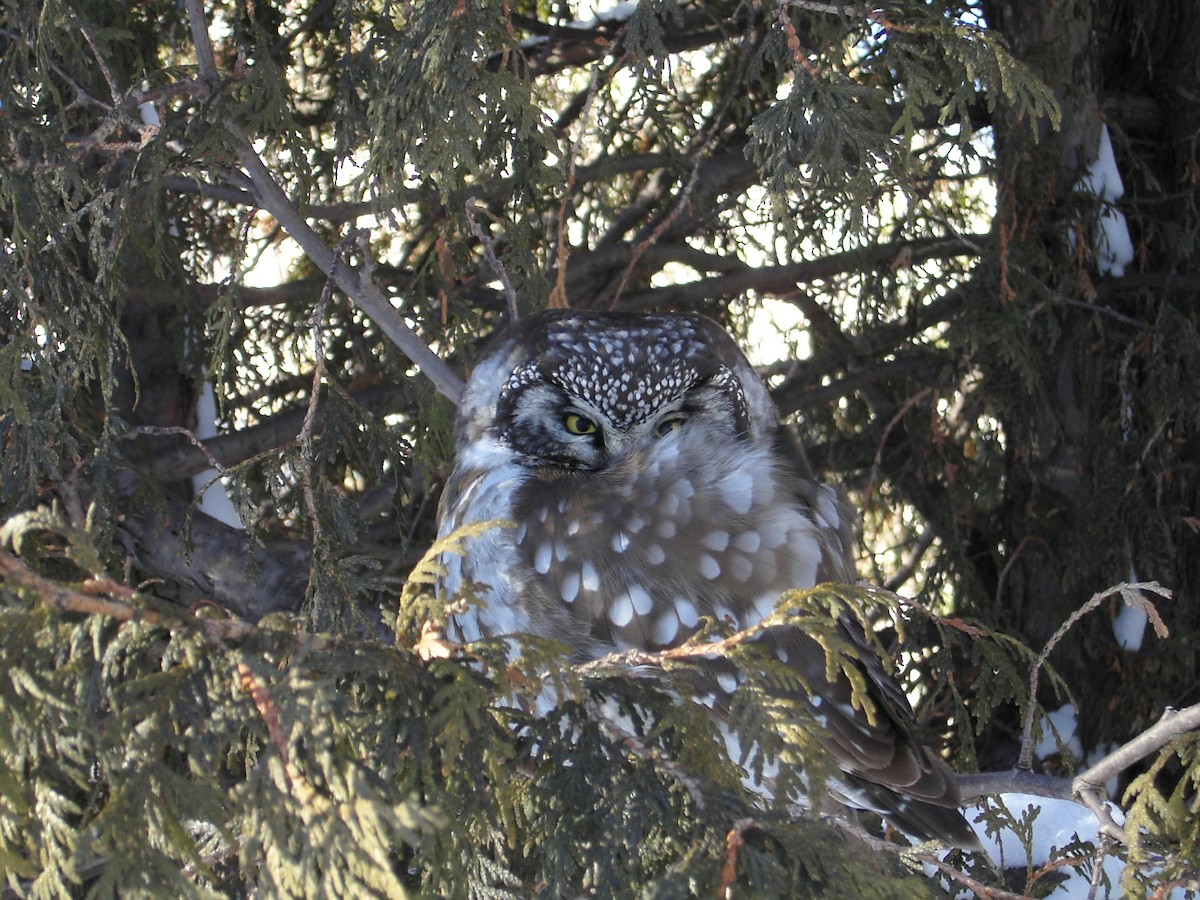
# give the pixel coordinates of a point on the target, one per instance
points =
(1014, 781)
(307, 429)
(312, 804)
(213, 462)
(200, 38)
(83, 97)
(364, 293)
(1173, 724)
(1132, 595)
(113, 89)
(203, 560)
(782, 280)
(659, 229)
(229, 450)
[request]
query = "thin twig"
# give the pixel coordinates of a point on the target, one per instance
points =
(918, 855)
(877, 463)
(1099, 310)
(1103, 847)
(910, 567)
(1132, 595)
(113, 90)
(489, 253)
(83, 97)
(680, 203)
(1012, 561)
(558, 296)
(977, 888)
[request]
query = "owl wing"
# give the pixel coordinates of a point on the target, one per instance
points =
(630, 596)
(886, 768)
(634, 558)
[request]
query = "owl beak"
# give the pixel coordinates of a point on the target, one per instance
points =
(620, 445)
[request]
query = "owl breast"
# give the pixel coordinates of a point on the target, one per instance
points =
(634, 554)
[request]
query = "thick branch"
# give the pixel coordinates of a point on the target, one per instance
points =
(1014, 781)
(107, 598)
(208, 560)
(274, 432)
(782, 280)
(805, 393)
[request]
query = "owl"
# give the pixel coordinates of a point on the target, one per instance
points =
(652, 485)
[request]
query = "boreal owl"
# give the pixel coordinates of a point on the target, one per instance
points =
(652, 485)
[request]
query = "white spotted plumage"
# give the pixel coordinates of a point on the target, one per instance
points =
(652, 485)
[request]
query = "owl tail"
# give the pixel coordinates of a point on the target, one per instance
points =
(921, 820)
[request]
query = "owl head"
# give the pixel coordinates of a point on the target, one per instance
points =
(581, 390)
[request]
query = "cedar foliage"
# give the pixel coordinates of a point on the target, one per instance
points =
(190, 710)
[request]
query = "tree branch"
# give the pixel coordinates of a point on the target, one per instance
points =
(1014, 781)
(1173, 724)
(782, 280)
(365, 294)
(91, 600)
(210, 561)
(228, 450)
(805, 393)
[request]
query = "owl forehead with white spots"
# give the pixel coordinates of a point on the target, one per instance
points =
(625, 367)
(613, 376)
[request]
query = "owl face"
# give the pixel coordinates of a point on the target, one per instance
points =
(582, 390)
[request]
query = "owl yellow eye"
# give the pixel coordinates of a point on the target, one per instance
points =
(669, 424)
(577, 424)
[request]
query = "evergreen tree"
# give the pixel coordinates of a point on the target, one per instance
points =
(985, 328)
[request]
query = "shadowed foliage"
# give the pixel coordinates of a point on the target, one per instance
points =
(322, 210)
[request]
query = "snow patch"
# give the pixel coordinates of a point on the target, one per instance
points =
(1112, 243)
(1129, 627)
(1055, 823)
(1060, 733)
(214, 497)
